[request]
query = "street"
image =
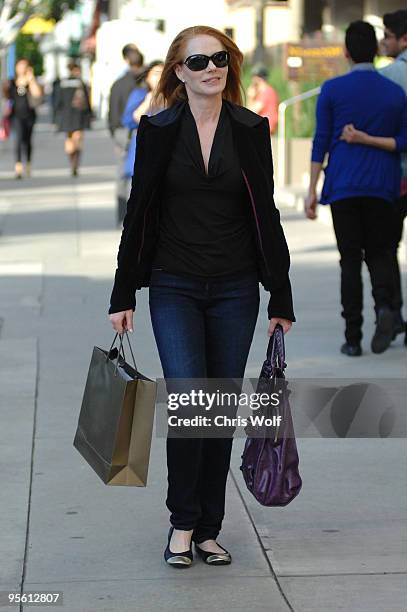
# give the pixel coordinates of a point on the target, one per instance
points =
(340, 546)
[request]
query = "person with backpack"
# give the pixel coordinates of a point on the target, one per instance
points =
(73, 113)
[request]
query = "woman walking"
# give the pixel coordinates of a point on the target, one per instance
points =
(25, 95)
(202, 230)
(73, 113)
(139, 103)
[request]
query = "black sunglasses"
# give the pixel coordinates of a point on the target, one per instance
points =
(200, 62)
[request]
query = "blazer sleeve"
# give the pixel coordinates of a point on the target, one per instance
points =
(281, 301)
(123, 296)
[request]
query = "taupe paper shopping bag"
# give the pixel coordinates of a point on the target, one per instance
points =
(116, 419)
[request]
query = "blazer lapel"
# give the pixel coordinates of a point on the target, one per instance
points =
(159, 147)
(162, 129)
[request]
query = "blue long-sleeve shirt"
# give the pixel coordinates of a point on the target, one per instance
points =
(375, 105)
(133, 102)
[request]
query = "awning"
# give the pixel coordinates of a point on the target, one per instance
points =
(38, 25)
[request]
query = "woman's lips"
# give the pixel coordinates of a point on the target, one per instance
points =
(212, 80)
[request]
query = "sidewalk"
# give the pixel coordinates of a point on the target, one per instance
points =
(340, 546)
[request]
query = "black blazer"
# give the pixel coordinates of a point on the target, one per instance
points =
(155, 137)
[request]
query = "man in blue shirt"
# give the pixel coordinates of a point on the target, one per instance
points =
(361, 182)
(395, 45)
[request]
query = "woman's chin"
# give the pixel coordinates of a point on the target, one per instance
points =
(212, 90)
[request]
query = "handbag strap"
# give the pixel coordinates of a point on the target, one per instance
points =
(276, 348)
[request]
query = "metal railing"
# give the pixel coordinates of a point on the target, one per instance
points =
(282, 136)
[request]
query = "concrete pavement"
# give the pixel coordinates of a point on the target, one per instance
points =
(340, 546)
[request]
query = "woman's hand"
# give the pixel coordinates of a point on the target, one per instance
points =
(285, 324)
(122, 321)
(30, 74)
(310, 205)
(352, 135)
(143, 108)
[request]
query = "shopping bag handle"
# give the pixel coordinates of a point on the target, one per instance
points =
(121, 350)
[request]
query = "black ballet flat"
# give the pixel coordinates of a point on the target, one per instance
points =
(178, 560)
(211, 558)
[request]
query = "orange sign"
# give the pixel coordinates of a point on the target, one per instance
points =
(313, 62)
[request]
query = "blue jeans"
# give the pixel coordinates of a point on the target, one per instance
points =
(203, 329)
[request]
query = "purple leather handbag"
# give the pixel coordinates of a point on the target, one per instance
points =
(270, 459)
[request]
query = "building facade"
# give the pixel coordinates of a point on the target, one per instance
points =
(259, 27)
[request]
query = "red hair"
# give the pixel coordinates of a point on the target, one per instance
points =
(172, 90)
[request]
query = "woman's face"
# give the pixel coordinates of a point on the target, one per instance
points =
(154, 76)
(21, 68)
(210, 81)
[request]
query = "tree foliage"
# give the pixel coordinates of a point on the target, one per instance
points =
(28, 47)
(14, 14)
(48, 9)
(55, 9)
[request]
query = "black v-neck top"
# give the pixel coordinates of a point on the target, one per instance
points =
(205, 224)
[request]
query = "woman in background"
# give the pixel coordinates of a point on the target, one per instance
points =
(138, 104)
(25, 95)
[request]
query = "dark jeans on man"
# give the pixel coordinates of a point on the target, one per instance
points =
(203, 329)
(123, 183)
(400, 212)
(363, 229)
